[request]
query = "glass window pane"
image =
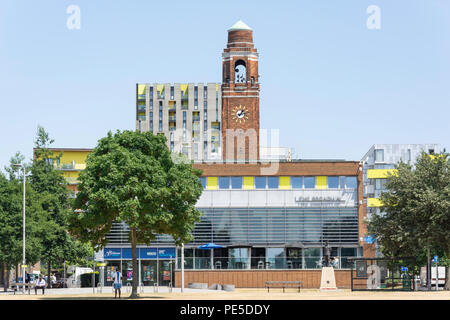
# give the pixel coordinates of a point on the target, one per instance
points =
(236, 182)
(350, 183)
(224, 182)
(379, 155)
(333, 182)
(310, 182)
(342, 182)
(273, 182)
(203, 181)
(297, 182)
(260, 182)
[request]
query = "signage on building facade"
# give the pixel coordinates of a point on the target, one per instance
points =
(318, 199)
(142, 253)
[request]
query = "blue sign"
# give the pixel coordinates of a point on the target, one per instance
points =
(126, 253)
(369, 239)
(142, 253)
(111, 253)
(436, 259)
(166, 253)
(147, 253)
(404, 268)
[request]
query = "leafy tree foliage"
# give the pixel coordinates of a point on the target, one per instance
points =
(416, 210)
(131, 177)
(58, 244)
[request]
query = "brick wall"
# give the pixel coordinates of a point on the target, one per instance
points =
(257, 278)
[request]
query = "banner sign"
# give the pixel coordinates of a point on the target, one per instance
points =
(111, 253)
(142, 253)
(166, 253)
(147, 253)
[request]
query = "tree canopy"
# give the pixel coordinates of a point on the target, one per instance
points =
(416, 209)
(131, 177)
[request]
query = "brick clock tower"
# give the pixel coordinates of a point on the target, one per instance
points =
(240, 96)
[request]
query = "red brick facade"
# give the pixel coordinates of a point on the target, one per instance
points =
(240, 95)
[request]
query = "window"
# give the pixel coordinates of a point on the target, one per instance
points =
(171, 92)
(151, 121)
(351, 182)
(195, 97)
(310, 182)
(379, 155)
(240, 75)
(409, 155)
(224, 182)
(236, 182)
(333, 182)
(379, 184)
(297, 182)
(273, 182)
(260, 182)
(160, 116)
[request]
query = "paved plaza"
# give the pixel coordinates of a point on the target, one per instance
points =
(165, 293)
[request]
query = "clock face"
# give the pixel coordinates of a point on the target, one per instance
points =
(240, 114)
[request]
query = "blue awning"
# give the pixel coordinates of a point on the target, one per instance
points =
(210, 246)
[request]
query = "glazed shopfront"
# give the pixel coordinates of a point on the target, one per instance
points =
(156, 265)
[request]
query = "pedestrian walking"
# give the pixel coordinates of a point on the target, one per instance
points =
(117, 283)
(40, 284)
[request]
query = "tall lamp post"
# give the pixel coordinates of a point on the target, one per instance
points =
(23, 232)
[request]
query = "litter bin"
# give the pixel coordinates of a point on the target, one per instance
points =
(406, 282)
(416, 284)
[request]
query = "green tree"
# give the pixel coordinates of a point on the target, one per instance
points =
(11, 221)
(54, 200)
(131, 177)
(416, 210)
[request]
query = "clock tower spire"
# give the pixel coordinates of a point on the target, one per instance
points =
(240, 96)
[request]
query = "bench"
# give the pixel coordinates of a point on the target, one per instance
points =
(283, 284)
(16, 285)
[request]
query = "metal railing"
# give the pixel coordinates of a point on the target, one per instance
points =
(230, 263)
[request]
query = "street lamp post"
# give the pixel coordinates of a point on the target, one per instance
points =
(23, 227)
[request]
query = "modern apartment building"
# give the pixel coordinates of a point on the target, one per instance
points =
(380, 161)
(188, 114)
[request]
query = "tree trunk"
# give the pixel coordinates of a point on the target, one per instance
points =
(49, 280)
(428, 267)
(447, 278)
(2, 273)
(6, 283)
(134, 284)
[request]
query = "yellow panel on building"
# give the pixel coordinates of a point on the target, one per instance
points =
(374, 202)
(211, 183)
(141, 88)
(69, 156)
(285, 183)
(321, 182)
(249, 183)
(380, 173)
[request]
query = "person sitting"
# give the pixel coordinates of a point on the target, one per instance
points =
(40, 284)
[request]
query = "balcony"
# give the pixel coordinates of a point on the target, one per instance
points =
(195, 118)
(142, 118)
(172, 118)
(71, 180)
(141, 97)
(141, 108)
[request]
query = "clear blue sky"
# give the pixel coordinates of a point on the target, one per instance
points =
(332, 86)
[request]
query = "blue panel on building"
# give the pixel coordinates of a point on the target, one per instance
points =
(148, 253)
(166, 253)
(126, 253)
(111, 253)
